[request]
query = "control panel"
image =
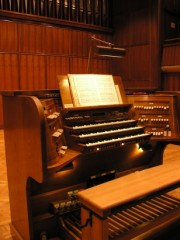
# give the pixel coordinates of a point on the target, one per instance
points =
(157, 113)
(56, 145)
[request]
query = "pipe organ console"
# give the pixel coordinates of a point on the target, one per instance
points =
(80, 172)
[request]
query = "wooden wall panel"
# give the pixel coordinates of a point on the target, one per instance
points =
(80, 43)
(31, 38)
(122, 67)
(171, 55)
(170, 58)
(142, 56)
(57, 40)
(32, 72)
(101, 66)
(56, 66)
(132, 27)
(171, 82)
(97, 66)
(140, 27)
(9, 77)
(78, 65)
(136, 29)
(122, 34)
(132, 75)
(8, 36)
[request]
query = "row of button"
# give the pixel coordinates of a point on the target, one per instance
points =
(165, 108)
(153, 120)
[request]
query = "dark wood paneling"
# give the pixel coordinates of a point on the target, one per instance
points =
(57, 40)
(43, 39)
(9, 77)
(98, 66)
(78, 65)
(136, 27)
(32, 72)
(132, 75)
(133, 29)
(171, 81)
(171, 55)
(121, 68)
(56, 66)
(31, 38)
(101, 66)
(8, 36)
(170, 59)
(122, 33)
(140, 27)
(80, 43)
(140, 55)
(137, 68)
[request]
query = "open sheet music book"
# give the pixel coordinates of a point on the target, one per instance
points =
(93, 90)
(81, 90)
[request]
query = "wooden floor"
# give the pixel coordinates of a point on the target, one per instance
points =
(4, 197)
(171, 152)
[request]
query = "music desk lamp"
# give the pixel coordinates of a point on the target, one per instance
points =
(106, 50)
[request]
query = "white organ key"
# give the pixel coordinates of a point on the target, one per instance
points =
(109, 132)
(103, 124)
(124, 139)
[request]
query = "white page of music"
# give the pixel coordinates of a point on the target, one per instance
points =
(93, 89)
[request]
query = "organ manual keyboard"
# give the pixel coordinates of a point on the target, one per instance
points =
(101, 128)
(58, 148)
